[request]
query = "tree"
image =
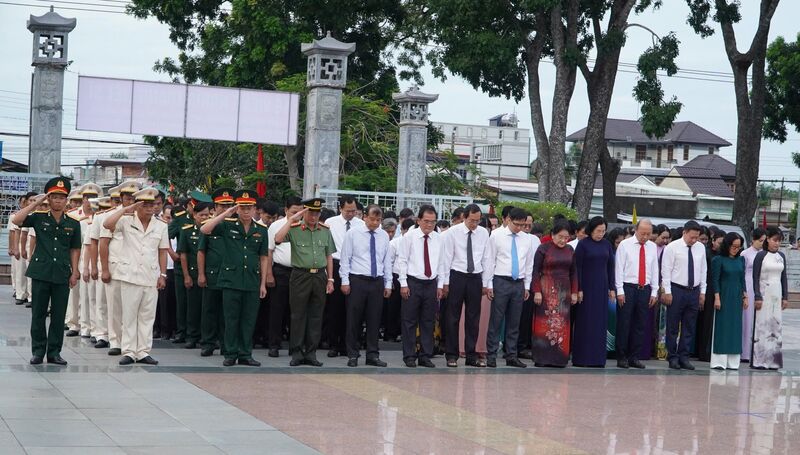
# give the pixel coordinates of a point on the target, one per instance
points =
(750, 88)
(657, 115)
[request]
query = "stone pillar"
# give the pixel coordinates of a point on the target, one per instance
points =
(413, 147)
(50, 45)
(327, 76)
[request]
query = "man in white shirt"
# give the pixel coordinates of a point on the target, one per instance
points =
(636, 280)
(142, 272)
(280, 256)
(334, 322)
(100, 332)
(392, 314)
(507, 268)
(420, 286)
(365, 269)
(462, 268)
(683, 276)
(19, 265)
(580, 234)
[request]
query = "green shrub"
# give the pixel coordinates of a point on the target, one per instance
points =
(542, 212)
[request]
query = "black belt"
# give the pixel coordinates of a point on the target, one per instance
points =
(508, 278)
(422, 281)
(366, 278)
(685, 288)
(636, 285)
(456, 272)
(281, 266)
(322, 269)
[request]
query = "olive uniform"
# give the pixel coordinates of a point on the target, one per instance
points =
(308, 282)
(50, 269)
(181, 219)
(188, 242)
(240, 280)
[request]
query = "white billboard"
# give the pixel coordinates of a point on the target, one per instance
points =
(190, 111)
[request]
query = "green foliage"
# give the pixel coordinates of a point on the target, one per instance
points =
(118, 155)
(657, 114)
(543, 212)
(782, 103)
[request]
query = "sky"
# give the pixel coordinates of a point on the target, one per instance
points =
(117, 45)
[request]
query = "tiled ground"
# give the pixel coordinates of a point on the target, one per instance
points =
(190, 404)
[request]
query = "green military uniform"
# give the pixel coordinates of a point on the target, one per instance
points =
(189, 242)
(240, 279)
(307, 284)
(180, 219)
(212, 327)
(49, 270)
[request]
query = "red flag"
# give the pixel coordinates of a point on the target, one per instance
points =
(764, 222)
(261, 186)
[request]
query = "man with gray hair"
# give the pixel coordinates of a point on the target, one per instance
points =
(636, 280)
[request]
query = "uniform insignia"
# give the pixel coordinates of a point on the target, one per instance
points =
(181, 213)
(323, 225)
(246, 195)
(232, 219)
(60, 184)
(188, 226)
(260, 223)
(256, 235)
(225, 194)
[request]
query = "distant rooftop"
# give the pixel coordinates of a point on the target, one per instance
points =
(619, 130)
(704, 181)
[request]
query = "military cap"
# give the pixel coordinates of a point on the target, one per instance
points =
(91, 190)
(198, 196)
(104, 202)
(114, 192)
(57, 185)
(130, 187)
(315, 204)
(223, 196)
(246, 197)
(146, 194)
(75, 194)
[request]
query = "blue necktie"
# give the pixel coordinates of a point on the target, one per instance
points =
(514, 259)
(373, 263)
(690, 281)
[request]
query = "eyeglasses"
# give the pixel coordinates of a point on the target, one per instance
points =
(519, 225)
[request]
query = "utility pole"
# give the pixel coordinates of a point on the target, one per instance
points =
(780, 204)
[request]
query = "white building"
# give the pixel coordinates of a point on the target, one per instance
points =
(499, 149)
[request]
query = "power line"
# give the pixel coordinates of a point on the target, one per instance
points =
(76, 139)
(64, 7)
(68, 2)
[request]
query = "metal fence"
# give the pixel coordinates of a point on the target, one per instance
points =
(12, 186)
(393, 201)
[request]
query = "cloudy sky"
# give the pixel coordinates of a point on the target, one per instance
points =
(116, 45)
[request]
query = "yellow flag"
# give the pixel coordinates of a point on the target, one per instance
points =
(634, 220)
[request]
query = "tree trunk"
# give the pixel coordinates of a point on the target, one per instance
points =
(533, 53)
(291, 154)
(610, 168)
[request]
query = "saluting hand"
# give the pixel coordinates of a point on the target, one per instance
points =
(37, 201)
(132, 208)
(230, 211)
(298, 216)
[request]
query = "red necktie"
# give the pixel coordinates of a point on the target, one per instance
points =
(642, 270)
(427, 256)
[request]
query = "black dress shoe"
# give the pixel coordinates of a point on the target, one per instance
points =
(126, 361)
(376, 363)
(491, 363)
(251, 362)
(636, 364)
(36, 360)
(622, 363)
(71, 333)
(686, 365)
(207, 352)
(273, 353)
(411, 363)
(57, 360)
(28, 304)
(313, 362)
(452, 363)
(352, 363)
(191, 345)
(86, 336)
(229, 362)
(426, 363)
(179, 340)
(93, 340)
(296, 362)
(333, 353)
(19, 301)
(515, 363)
(114, 351)
(148, 361)
(101, 344)
(674, 365)
(526, 354)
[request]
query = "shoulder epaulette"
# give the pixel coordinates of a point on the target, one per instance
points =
(231, 219)
(160, 219)
(181, 213)
(323, 225)
(72, 210)
(74, 216)
(206, 221)
(260, 223)
(41, 211)
(187, 226)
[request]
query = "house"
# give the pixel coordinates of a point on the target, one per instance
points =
(500, 149)
(684, 142)
(108, 172)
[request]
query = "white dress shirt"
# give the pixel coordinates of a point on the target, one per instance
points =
(338, 227)
(411, 260)
(675, 265)
(626, 266)
(355, 257)
(574, 244)
(394, 248)
(497, 258)
(454, 254)
(282, 253)
(139, 263)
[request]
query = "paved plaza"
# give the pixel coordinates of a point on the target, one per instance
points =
(193, 405)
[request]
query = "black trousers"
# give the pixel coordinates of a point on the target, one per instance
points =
(279, 314)
(391, 312)
(166, 310)
(364, 302)
(465, 293)
(631, 319)
(525, 341)
(261, 332)
(334, 325)
(419, 309)
(681, 316)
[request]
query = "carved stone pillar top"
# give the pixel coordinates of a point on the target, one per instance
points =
(327, 62)
(50, 32)
(414, 106)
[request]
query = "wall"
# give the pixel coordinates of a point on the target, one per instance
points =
(658, 207)
(465, 140)
(675, 181)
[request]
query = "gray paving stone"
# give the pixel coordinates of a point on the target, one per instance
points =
(57, 433)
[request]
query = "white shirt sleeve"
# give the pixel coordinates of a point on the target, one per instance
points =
(667, 260)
